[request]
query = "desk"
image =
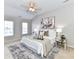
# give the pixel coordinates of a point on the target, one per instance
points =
(62, 44)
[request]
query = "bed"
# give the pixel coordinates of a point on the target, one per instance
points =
(42, 47)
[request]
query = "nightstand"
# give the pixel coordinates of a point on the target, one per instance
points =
(58, 42)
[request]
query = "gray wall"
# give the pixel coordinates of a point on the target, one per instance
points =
(63, 16)
(69, 33)
(17, 28)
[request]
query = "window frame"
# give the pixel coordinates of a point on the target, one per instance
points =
(22, 28)
(9, 35)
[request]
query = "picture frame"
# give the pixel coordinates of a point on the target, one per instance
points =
(48, 22)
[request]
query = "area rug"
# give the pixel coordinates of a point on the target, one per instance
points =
(20, 51)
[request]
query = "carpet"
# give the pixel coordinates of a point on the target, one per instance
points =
(20, 51)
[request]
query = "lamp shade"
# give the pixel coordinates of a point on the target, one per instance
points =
(59, 30)
(35, 29)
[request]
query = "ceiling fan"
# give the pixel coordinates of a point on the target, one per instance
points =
(32, 6)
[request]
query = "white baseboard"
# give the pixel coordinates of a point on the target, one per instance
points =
(11, 41)
(70, 46)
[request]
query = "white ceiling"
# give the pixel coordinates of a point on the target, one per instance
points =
(15, 7)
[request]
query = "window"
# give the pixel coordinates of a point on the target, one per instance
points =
(24, 28)
(8, 28)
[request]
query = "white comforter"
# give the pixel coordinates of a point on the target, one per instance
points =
(42, 47)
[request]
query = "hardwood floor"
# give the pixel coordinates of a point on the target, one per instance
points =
(65, 54)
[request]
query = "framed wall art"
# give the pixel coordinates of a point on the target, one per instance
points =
(48, 22)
